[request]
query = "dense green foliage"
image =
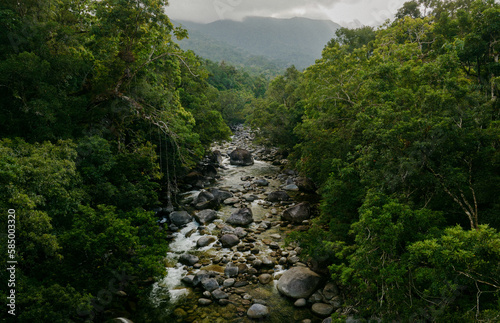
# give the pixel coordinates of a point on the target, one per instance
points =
(400, 127)
(101, 112)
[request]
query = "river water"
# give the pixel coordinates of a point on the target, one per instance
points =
(177, 302)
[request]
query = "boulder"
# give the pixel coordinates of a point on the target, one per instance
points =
(180, 218)
(258, 311)
(240, 232)
(322, 309)
(297, 213)
(301, 302)
(220, 195)
(204, 241)
(241, 157)
(261, 182)
(291, 187)
(305, 184)
(215, 157)
(278, 196)
(241, 217)
(231, 200)
(206, 200)
(219, 294)
(298, 282)
(205, 216)
(188, 260)
(231, 270)
(229, 240)
(204, 301)
(265, 279)
(201, 275)
(210, 284)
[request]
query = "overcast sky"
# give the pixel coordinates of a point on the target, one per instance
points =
(350, 13)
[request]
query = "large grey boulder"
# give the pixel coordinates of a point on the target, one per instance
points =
(258, 311)
(220, 195)
(297, 213)
(210, 284)
(298, 282)
(241, 217)
(278, 196)
(206, 200)
(188, 260)
(180, 218)
(204, 241)
(205, 216)
(241, 157)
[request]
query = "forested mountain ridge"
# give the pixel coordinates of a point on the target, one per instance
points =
(285, 42)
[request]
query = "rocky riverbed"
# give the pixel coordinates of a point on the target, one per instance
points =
(228, 261)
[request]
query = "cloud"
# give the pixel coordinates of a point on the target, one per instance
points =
(372, 12)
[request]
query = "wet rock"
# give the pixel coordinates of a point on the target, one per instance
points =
(188, 280)
(229, 282)
(180, 218)
(265, 279)
(240, 283)
(258, 311)
(275, 236)
(322, 309)
(204, 301)
(261, 182)
(250, 197)
(293, 260)
(188, 260)
(241, 157)
(206, 200)
(231, 270)
(231, 201)
(201, 275)
(278, 196)
(305, 184)
(220, 195)
(301, 302)
(291, 187)
(298, 282)
(241, 217)
(205, 216)
(229, 240)
(219, 294)
(204, 241)
(209, 284)
(297, 213)
(240, 232)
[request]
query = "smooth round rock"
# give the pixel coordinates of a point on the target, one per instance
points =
(188, 260)
(229, 240)
(298, 282)
(265, 279)
(322, 309)
(257, 311)
(204, 301)
(204, 241)
(301, 302)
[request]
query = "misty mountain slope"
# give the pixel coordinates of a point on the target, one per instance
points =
(297, 41)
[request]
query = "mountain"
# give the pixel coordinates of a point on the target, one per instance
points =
(260, 40)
